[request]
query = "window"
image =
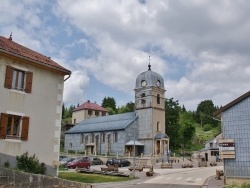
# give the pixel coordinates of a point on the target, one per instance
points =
(158, 126)
(12, 126)
(92, 138)
(86, 139)
(18, 79)
(89, 112)
(82, 138)
(115, 137)
(143, 101)
(103, 113)
(97, 113)
(74, 121)
(103, 137)
(158, 99)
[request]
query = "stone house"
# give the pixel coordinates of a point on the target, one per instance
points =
(30, 104)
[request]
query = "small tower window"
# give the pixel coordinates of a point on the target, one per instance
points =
(158, 99)
(92, 138)
(158, 126)
(143, 101)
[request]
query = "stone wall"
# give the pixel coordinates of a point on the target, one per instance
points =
(11, 178)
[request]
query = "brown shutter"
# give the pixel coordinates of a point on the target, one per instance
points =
(25, 128)
(28, 84)
(8, 77)
(3, 125)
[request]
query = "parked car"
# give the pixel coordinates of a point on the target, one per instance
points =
(95, 161)
(64, 161)
(122, 162)
(110, 161)
(82, 162)
(61, 157)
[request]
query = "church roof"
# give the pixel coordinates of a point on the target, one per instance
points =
(161, 135)
(151, 78)
(104, 123)
(90, 106)
(9, 47)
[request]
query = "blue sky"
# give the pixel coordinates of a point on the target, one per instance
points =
(200, 47)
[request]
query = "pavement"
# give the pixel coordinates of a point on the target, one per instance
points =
(211, 182)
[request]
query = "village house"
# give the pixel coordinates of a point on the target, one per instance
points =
(234, 145)
(30, 105)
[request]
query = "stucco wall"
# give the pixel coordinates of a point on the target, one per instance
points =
(42, 106)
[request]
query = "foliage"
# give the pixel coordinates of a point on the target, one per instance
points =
(109, 102)
(207, 127)
(187, 130)
(67, 112)
(244, 185)
(172, 110)
(110, 110)
(6, 164)
(30, 164)
(123, 109)
(204, 113)
(91, 178)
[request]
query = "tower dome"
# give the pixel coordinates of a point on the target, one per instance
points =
(149, 78)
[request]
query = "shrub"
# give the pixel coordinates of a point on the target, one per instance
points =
(207, 127)
(30, 164)
(6, 164)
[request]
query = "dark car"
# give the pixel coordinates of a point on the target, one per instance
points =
(122, 162)
(64, 161)
(110, 161)
(95, 161)
(82, 162)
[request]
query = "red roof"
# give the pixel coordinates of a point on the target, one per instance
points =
(90, 106)
(8, 46)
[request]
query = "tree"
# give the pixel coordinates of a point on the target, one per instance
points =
(110, 110)
(123, 109)
(109, 102)
(172, 126)
(204, 113)
(131, 106)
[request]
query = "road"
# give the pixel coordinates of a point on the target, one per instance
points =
(174, 178)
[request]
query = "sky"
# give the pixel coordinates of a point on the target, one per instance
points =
(200, 47)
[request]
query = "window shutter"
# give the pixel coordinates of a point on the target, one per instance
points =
(8, 77)
(3, 125)
(25, 128)
(28, 84)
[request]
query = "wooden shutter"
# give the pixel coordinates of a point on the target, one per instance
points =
(3, 125)
(28, 83)
(25, 128)
(8, 77)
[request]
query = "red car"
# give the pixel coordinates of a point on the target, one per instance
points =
(82, 162)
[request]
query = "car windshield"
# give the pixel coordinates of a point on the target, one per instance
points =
(65, 159)
(76, 160)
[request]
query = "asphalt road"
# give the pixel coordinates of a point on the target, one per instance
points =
(174, 178)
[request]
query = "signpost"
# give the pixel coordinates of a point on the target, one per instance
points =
(227, 149)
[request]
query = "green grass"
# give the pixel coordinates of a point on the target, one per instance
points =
(91, 178)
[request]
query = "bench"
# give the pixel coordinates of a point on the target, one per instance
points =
(137, 167)
(185, 165)
(166, 165)
(110, 168)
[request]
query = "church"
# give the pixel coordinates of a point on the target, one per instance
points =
(141, 132)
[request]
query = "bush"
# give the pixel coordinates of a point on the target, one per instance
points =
(207, 127)
(6, 164)
(30, 164)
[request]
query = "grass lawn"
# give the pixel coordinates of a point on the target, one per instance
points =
(91, 178)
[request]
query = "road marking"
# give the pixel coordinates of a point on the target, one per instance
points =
(189, 179)
(169, 178)
(179, 178)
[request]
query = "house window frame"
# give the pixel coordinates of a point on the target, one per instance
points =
(158, 99)
(103, 137)
(18, 79)
(115, 137)
(14, 127)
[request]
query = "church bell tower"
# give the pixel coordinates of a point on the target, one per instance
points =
(150, 108)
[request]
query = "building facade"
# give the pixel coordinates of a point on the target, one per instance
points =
(30, 105)
(118, 134)
(88, 110)
(235, 118)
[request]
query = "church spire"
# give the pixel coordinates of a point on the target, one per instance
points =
(149, 66)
